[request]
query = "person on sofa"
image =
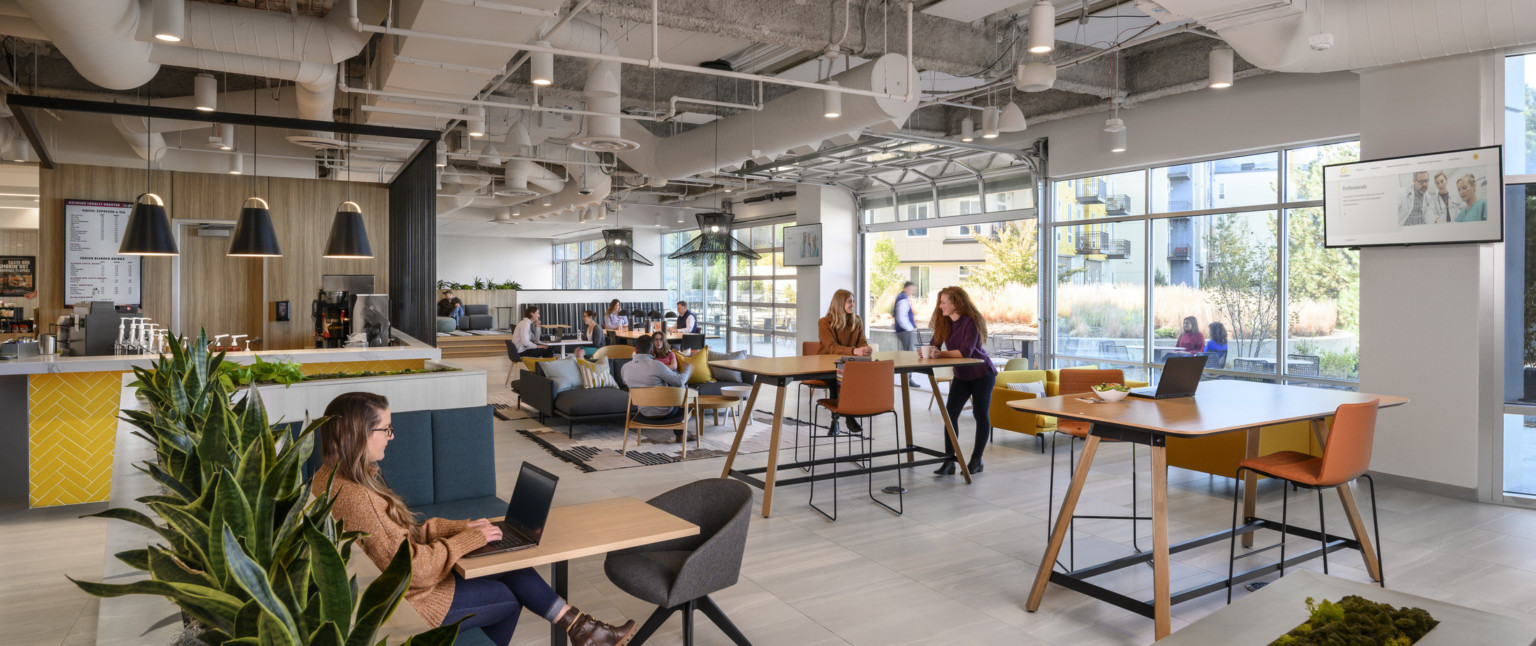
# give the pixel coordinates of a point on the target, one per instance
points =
(687, 323)
(451, 307)
(662, 350)
(353, 441)
(525, 335)
(591, 332)
(644, 371)
(841, 332)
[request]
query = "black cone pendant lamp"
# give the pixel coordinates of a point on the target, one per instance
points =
(149, 229)
(254, 236)
(349, 236)
(618, 248)
(714, 239)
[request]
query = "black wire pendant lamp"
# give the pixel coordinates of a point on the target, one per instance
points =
(254, 235)
(714, 239)
(618, 248)
(149, 230)
(349, 235)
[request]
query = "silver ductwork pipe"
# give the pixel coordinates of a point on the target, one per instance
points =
(787, 122)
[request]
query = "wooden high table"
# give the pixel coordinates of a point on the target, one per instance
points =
(782, 371)
(582, 530)
(1218, 407)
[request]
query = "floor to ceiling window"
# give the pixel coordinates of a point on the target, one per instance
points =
(983, 239)
(1191, 257)
(761, 314)
(1519, 445)
(569, 273)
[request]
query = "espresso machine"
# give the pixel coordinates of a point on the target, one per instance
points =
(333, 318)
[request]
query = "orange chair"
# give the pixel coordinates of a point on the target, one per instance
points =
(867, 393)
(1078, 381)
(1346, 457)
(808, 390)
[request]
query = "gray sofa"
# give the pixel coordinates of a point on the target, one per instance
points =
(579, 405)
(477, 317)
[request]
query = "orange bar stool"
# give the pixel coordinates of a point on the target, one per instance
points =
(1078, 381)
(1346, 457)
(807, 394)
(866, 393)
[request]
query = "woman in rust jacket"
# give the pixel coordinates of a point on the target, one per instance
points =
(353, 442)
(841, 332)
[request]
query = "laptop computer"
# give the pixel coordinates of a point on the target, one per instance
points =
(523, 526)
(1181, 376)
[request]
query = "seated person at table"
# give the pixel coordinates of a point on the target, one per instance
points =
(661, 350)
(687, 323)
(450, 306)
(525, 335)
(353, 441)
(644, 371)
(841, 332)
(1216, 346)
(611, 318)
(1191, 340)
(591, 332)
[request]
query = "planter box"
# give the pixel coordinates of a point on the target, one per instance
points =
(426, 391)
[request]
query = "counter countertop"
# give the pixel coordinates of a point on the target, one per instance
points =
(411, 349)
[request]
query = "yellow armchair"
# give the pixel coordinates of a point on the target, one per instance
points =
(1009, 419)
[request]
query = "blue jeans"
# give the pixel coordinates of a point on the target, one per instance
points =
(458, 311)
(493, 603)
(979, 391)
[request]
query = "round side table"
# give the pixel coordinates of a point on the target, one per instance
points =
(741, 393)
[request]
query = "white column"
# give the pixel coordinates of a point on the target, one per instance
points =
(835, 210)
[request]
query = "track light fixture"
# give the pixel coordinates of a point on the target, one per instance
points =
(832, 102)
(967, 130)
(541, 66)
(1042, 27)
(1220, 64)
(170, 20)
(205, 91)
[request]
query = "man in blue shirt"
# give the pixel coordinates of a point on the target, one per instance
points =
(906, 321)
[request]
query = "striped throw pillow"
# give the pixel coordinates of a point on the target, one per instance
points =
(596, 374)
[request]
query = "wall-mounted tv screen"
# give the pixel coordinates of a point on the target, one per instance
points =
(1438, 198)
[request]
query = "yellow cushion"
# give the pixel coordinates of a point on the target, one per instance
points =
(595, 374)
(528, 362)
(700, 363)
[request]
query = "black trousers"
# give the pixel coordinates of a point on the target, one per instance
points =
(979, 392)
(537, 352)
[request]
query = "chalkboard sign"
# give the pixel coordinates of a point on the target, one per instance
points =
(93, 270)
(18, 275)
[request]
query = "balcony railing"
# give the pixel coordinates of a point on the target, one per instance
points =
(1178, 250)
(1090, 190)
(1117, 205)
(1100, 244)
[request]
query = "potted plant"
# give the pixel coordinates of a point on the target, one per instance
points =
(247, 555)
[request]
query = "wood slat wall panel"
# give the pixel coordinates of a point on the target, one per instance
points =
(302, 210)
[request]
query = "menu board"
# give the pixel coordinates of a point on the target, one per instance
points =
(17, 275)
(93, 270)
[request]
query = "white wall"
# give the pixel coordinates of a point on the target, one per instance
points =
(525, 260)
(1257, 112)
(1427, 312)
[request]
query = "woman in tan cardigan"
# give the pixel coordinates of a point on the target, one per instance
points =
(841, 332)
(353, 442)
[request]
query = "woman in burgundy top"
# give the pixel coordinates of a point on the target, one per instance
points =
(961, 329)
(1191, 341)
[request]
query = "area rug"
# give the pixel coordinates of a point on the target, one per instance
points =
(597, 446)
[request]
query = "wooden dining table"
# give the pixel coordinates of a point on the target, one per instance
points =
(782, 371)
(1220, 406)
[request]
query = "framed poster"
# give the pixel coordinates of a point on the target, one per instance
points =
(802, 246)
(93, 270)
(18, 275)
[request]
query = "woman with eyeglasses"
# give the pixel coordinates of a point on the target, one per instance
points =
(353, 441)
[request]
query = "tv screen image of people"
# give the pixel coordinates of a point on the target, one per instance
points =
(1438, 198)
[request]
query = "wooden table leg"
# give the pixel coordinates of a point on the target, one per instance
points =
(906, 412)
(1161, 604)
(949, 429)
(1351, 510)
(1063, 520)
(773, 450)
(741, 429)
(1251, 484)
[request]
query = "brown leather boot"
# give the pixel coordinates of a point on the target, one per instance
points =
(586, 631)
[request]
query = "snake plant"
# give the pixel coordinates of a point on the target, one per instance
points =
(243, 548)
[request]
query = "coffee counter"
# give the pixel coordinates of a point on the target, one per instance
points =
(60, 451)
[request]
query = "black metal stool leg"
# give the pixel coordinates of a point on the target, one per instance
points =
(870, 442)
(1237, 493)
(1285, 528)
(1322, 527)
(1381, 566)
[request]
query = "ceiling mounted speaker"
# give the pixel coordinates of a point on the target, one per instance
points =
(205, 92)
(1042, 27)
(149, 229)
(1035, 77)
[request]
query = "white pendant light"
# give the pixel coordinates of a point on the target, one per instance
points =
(442, 154)
(967, 130)
(170, 18)
(1116, 129)
(1035, 77)
(226, 136)
(236, 164)
(541, 66)
(548, 200)
(205, 91)
(1042, 27)
(989, 123)
(490, 156)
(831, 102)
(1012, 119)
(21, 150)
(475, 121)
(1220, 64)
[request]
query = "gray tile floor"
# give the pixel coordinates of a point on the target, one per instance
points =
(954, 569)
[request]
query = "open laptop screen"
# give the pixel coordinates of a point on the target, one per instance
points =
(531, 499)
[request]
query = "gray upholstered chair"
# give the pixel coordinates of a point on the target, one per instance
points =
(679, 575)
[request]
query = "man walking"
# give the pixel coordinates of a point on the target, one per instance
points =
(906, 321)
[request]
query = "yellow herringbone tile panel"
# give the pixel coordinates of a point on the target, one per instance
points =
(356, 366)
(73, 428)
